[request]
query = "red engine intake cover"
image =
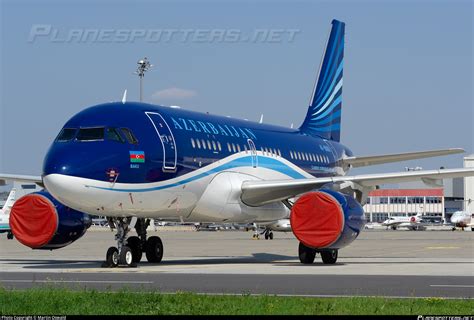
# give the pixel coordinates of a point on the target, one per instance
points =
(317, 219)
(34, 220)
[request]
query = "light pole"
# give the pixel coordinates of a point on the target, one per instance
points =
(143, 66)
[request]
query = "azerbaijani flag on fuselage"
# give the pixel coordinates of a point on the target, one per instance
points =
(137, 156)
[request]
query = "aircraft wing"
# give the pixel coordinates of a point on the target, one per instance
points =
(257, 193)
(22, 178)
(355, 162)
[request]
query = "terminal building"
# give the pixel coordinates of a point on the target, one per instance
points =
(435, 204)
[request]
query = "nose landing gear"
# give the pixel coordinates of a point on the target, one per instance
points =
(130, 251)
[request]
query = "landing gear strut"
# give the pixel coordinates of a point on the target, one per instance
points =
(255, 236)
(122, 254)
(307, 254)
(130, 251)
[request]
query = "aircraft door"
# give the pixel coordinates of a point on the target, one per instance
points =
(167, 140)
(253, 153)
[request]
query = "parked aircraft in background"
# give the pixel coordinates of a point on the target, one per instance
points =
(462, 219)
(282, 225)
(5, 214)
(135, 160)
(411, 223)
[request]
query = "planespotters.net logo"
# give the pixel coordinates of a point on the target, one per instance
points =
(445, 317)
(50, 33)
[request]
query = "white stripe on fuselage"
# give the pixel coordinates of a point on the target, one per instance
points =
(164, 199)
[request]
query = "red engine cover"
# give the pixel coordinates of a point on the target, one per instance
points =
(34, 220)
(317, 219)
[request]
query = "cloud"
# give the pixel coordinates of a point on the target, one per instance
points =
(173, 94)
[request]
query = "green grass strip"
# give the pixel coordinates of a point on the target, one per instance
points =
(54, 301)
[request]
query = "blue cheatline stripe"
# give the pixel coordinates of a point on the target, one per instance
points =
(331, 88)
(333, 67)
(328, 63)
(334, 104)
(264, 162)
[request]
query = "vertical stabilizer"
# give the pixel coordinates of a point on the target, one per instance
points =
(324, 113)
(9, 203)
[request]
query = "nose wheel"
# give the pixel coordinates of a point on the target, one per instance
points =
(129, 251)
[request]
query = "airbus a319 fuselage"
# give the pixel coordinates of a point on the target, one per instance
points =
(129, 160)
(152, 161)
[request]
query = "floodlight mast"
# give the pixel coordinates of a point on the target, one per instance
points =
(143, 66)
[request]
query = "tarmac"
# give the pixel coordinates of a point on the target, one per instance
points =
(379, 263)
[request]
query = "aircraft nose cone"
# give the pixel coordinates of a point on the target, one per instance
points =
(60, 160)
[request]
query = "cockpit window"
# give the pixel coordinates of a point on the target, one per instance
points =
(129, 135)
(112, 134)
(66, 134)
(90, 134)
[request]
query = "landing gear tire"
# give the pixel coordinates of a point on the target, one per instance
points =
(472, 228)
(329, 256)
(154, 249)
(266, 236)
(306, 254)
(270, 235)
(134, 243)
(112, 257)
(9, 235)
(125, 257)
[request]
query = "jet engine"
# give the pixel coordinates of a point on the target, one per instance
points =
(326, 219)
(40, 222)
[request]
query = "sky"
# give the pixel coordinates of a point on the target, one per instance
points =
(408, 72)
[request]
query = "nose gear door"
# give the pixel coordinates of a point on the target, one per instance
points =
(167, 140)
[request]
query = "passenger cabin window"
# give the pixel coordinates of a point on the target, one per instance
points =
(112, 134)
(90, 134)
(129, 136)
(66, 134)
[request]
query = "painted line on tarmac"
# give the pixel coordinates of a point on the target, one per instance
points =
(452, 285)
(79, 281)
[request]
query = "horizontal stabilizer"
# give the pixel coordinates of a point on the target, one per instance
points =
(22, 178)
(356, 162)
(257, 193)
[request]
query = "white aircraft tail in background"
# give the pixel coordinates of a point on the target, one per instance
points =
(5, 214)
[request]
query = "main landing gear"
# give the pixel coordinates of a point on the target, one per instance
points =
(130, 251)
(256, 235)
(307, 255)
(268, 234)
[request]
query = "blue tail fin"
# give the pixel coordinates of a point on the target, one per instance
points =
(324, 113)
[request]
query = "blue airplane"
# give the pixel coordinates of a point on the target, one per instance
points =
(129, 160)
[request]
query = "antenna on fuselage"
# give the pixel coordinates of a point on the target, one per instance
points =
(124, 97)
(143, 66)
(261, 119)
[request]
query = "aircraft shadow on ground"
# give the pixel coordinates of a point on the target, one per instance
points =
(256, 258)
(78, 264)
